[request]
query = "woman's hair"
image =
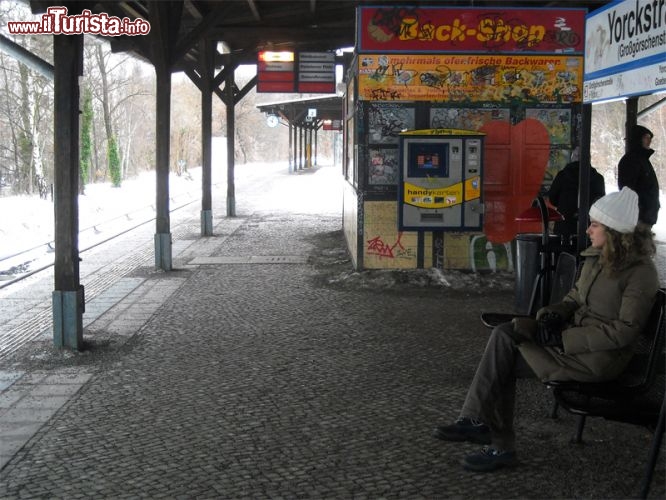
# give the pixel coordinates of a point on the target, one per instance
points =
(621, 248)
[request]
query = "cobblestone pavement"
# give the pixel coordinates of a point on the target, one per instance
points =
(286, 376)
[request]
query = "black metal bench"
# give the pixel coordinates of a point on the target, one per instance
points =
(636, 397)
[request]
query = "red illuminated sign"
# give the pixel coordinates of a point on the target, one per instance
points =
(332, 125)
(278, 72)
(270, 56)
(275, 72)
(440, 29)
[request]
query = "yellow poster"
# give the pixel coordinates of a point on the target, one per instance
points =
(470, 78)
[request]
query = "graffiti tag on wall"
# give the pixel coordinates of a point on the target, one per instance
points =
(376, 246)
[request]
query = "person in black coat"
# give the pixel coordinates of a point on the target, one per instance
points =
(563, 195)
(636, 172)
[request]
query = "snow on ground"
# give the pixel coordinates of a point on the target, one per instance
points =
(27, 221)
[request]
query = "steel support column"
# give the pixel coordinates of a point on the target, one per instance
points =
(316, 148)
(291, 148)
(207, 68)
(231, 134)
(294, 152)
(584, 176)
(163, 250)
(300, 147)
(310, 149)
(68, 301)
(631, 118)
(164, 20)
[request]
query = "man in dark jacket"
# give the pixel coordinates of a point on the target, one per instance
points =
(563, 194)
(636, 172)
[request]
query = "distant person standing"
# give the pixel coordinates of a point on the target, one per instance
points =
(563, 195)
(636, 172)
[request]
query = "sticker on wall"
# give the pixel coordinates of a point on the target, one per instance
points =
(466, 118)
(386, 121)
(556, 121)
(383, 168)
(488, 256)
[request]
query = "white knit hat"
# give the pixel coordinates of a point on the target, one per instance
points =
(618, 211)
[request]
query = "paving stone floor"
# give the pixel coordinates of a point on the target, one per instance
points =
(289, 378)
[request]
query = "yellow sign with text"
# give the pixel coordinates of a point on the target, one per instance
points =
(443, 197)
(471, 78)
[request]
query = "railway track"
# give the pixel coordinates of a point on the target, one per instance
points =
(25, 299)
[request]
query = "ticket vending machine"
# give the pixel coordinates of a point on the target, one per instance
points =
(440, 180)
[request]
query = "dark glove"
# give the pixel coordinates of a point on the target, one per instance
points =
(549, 330)
(522, 329)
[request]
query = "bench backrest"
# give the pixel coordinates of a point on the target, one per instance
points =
(564, 277)
(560, 282)
(649, 349)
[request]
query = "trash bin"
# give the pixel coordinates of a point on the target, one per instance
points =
(529, 247)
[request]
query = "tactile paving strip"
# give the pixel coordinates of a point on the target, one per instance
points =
(251, 259)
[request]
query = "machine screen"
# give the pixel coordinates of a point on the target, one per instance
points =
(428, 159)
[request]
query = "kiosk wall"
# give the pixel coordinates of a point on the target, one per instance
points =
(518, 99)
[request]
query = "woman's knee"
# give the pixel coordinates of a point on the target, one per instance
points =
(503, 333)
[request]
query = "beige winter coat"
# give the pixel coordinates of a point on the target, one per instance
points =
(606, 315)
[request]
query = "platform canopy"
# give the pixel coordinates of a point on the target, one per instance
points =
(249, 26)
(297, 111)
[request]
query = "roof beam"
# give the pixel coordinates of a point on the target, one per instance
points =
(244, 91)
(130, 10)
(198, 33)
(652, 107)
(194, 11)
(26, 57)
(255, 11)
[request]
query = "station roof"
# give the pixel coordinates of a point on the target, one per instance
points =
(249, 26)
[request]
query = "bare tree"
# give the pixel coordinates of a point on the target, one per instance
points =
(116, 85)
(26, 115)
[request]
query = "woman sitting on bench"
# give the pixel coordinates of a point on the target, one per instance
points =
(587, 337)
